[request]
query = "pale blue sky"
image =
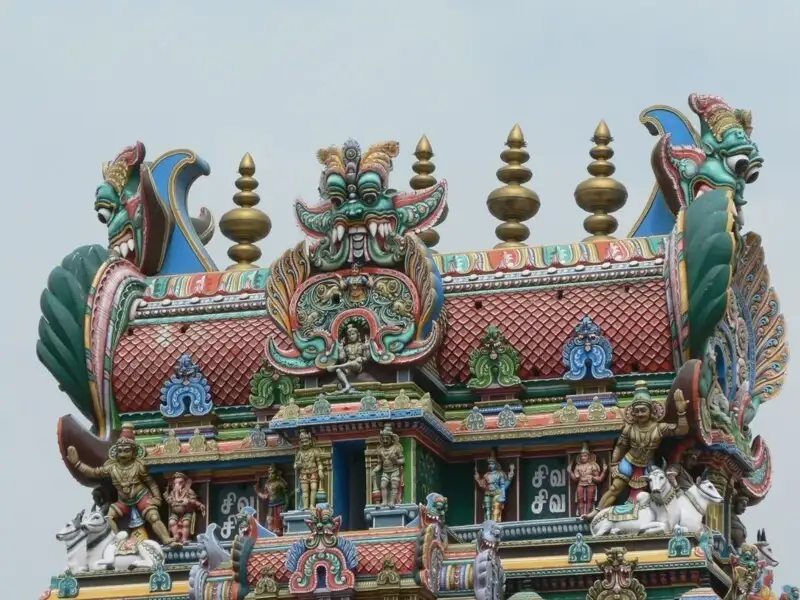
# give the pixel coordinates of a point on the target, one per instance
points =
(82, 79)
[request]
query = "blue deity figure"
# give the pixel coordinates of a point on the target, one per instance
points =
(494, 484)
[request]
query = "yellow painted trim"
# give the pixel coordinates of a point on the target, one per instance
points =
(562, 562)
(138, 590)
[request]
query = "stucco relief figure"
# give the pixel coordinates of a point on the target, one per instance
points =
(680, 474)
(494, 483)
(310, 466)
(273, 493)
(387, 476)
(637, 444)
(183, 507)
(353, 353)
(587, 474)
(138, 494)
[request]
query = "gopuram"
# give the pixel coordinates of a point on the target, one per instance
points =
(369, 418)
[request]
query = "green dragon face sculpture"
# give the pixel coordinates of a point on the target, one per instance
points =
(725, 158)
(360, 220)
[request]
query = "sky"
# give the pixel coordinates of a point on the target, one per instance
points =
(81, 80)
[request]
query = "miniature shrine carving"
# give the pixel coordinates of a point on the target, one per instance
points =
(494, 483)
(587, 474)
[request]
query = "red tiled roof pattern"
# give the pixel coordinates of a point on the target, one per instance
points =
(259, 560)
(633, 316)
(371, 557)
(536, 322)
(228, 351)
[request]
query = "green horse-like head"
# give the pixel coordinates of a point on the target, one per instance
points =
(725, 157)
(360, 220)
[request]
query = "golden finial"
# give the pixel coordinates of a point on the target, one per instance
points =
(423, 178)
(513, 203)
(245, 225)
(601, 194)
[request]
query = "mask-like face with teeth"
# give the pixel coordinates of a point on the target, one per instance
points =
(726, 157)
(118, 203)
(360, 220)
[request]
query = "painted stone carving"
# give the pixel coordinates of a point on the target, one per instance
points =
(618, 582)
(490, 579)
(587, 474)
(494, 483)
(588, 354)
(273, 492)
(269, 387)
(138, 493)
(387, 476)
(494, 363)
(121, 551)
(187, 391)
(365, 289)
(183, 507)
(679, 473)
(640, 438)
(310, 467)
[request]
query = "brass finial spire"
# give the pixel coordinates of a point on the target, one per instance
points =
(601, 194)
(423, 178)
(513, 203)
(245, 225)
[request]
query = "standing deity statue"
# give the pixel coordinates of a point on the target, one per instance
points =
(587, 474)
(138, 494)
(273, 492)
(183, 507)
(640, 438)
(494, 484)
(738, 529)
(356, 284)
(387, 476)
(310, 466)
(680, 474)
(353, 353)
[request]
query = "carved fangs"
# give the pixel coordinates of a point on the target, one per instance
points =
(124, 246)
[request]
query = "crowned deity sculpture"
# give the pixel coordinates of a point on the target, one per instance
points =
(183, 507)
(273, 492)
(353, 353)
(310, 466)
(387, 476)
(356, 284)
(680, 473)
(587, 475)
(637, 444)
(137, 492)
(494, 483)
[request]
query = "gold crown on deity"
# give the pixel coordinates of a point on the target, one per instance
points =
(305, 435)
(585, 448)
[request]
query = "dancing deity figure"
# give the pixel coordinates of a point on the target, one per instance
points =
(356, 284)
(273, 492)
(183, 507)
(138, 493)
(640, 438)
(354, 352)
(680, 474)
(310, 466)
(587, 474)
(494, 484)
(387, 476)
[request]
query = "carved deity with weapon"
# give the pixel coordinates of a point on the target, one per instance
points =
(494, 483)
(387, 476)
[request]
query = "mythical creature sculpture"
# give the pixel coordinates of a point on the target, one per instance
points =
(361, 220)
(587, 475)
(725, 157)
(489, 575)
(494, 483)
(790, 592)
(387, 476)
(679, 474)
(640, 438)
(138, 493)
(746, 572)
(120, 551)
(618, 582)
(647, 513)
(310, 466)
(183, 507)
(273, 492)
(139, 225)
